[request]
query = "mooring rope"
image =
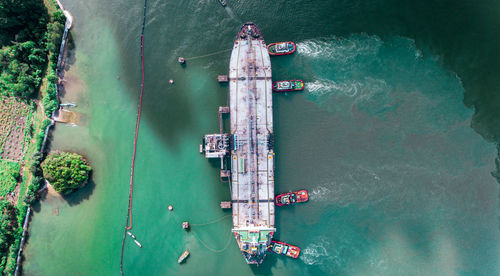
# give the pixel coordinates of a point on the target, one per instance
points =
(210, 248)
(178, 221)
(207, 55)
(128, 221)
(211, 222)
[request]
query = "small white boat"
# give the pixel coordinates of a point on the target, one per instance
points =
(131, 235)
(183, 257)
(138, 243)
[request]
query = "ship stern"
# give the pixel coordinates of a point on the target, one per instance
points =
(254, 243)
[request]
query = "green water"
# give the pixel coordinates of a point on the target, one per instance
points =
(399, 181)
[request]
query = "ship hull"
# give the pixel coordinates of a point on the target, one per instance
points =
(252, 156)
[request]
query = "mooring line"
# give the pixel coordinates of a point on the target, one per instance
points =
(128, 221)
(212, 249)
(178, 221)
(207, 55)
(211, 222)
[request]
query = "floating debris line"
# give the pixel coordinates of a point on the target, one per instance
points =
(128, 222)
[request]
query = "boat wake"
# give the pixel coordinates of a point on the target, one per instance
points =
(324, 87)
(232, 15)
(323, 254)
(347, 92)
(354, 185)
(367, 73)
(343, 49)
(320, 193)
(315, 253)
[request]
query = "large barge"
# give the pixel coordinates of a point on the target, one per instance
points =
(252, 156)
(248, 150)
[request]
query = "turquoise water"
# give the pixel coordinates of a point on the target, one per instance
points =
(399, 181)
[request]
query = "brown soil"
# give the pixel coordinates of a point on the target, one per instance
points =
(13, 116)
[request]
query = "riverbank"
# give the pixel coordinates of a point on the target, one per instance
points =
(25, 144)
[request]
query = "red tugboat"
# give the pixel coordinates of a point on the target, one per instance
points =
(281, 48)
(282, 248)
(291, 198)
(288, 85)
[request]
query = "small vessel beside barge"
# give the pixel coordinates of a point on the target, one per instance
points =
(281, 48)
(282, 248)
(292, 198)
(288, 85)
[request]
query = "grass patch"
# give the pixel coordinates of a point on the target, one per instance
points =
(9, 173)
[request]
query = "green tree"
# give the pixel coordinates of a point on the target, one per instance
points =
(22, 20)
(66, 171)
(8, 231)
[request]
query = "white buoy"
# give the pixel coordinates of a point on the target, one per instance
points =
(171, 81)
(170, 207)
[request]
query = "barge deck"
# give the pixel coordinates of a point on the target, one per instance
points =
(248, 150)
(252, 156)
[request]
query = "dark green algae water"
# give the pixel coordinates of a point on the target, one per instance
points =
(394, 136)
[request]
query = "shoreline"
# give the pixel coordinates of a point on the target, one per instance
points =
(60, 60)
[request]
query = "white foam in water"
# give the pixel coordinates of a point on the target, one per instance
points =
(315, 253)
(320, 193)
(359, 70)
(356, 90)
(340, 48)
(320, 87)
(232, 15)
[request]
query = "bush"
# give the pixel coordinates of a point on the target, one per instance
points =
(66, 171)
(8, 232)
(35, 166)
(9, 173)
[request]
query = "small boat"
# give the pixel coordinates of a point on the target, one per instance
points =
(138, 243)
(282, 248)
(181, 60)
(288, 85)
(185, 225)
(131, 235)
(67, 105)
(291, 198)
(222, 2)
(183, 256)
(281, 48)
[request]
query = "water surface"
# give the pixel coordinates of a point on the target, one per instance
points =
(400, 182)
